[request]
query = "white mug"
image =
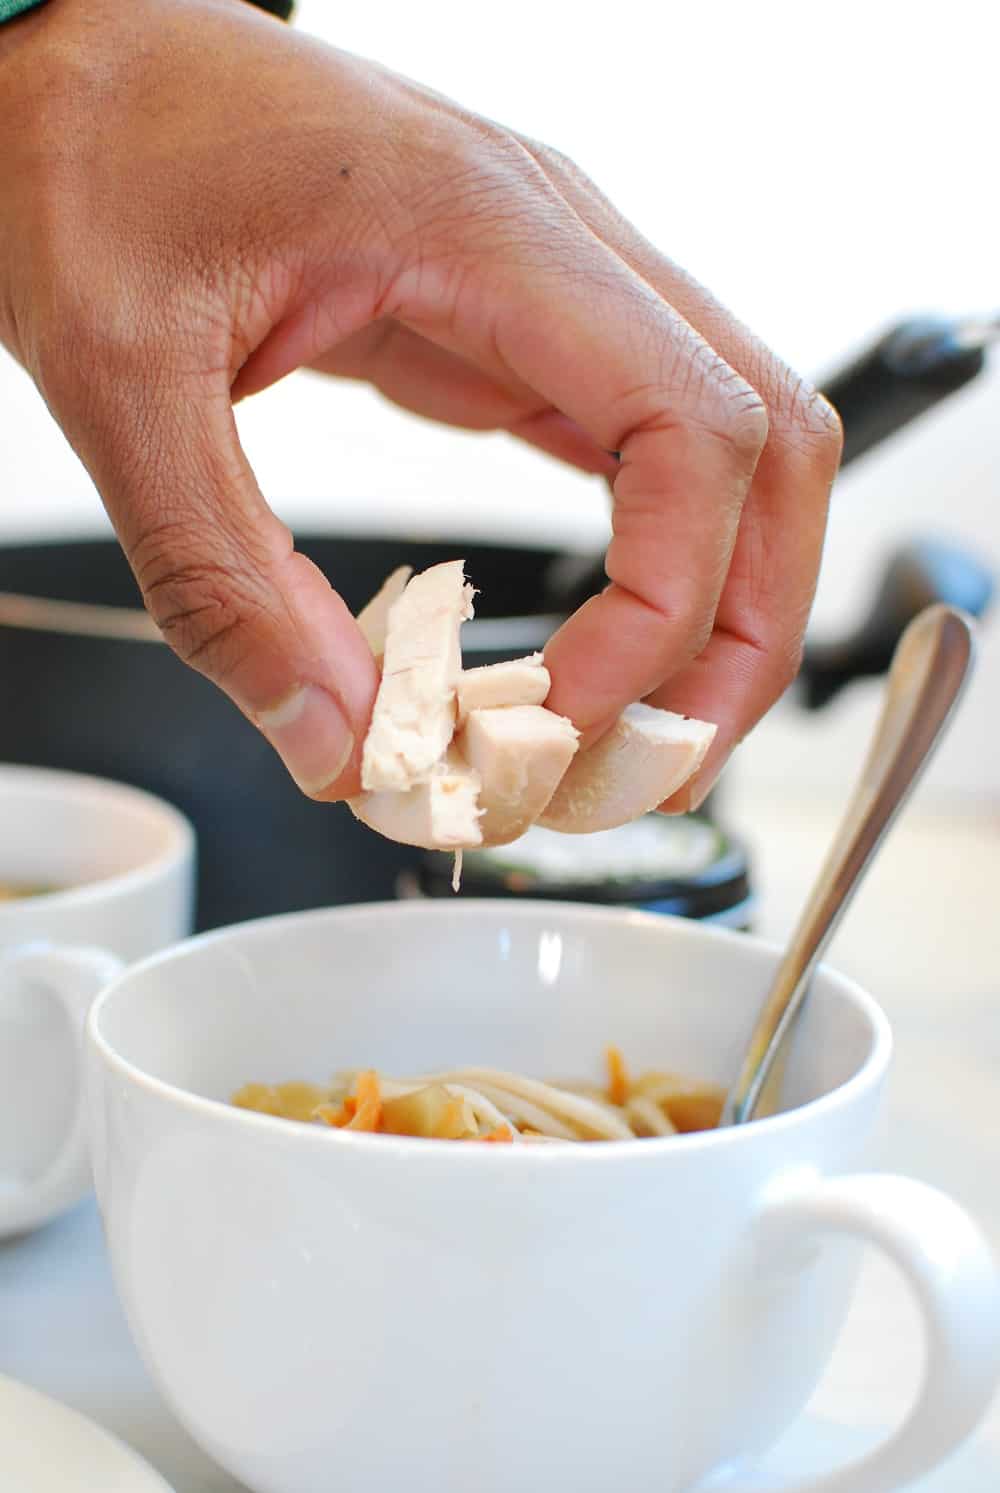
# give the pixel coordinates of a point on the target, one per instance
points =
(329, 1309)
(120, 868)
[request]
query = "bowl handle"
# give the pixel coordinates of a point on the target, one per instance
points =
(74, 976)
(953, 1275)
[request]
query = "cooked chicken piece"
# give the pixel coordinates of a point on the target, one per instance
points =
(522, 681)
(457, 759)
(414, 716)
(373, 618)
(520, 753)
(441, 813)
(646, 756)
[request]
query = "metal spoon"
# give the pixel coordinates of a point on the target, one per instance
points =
(929, 668)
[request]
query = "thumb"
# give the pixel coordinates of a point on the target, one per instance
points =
(220, 576)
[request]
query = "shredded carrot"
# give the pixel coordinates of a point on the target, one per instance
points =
(345, 1116)
(367, 1103)
(500, 1136)
(618, 1084)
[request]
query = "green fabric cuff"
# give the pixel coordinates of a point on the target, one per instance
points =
(11, 8)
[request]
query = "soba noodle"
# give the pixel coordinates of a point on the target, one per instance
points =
(487, 1104)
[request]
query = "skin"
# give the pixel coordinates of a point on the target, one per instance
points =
(196, 200)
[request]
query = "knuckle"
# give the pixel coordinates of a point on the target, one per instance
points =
(506, 150)
(206, 608)
(683, 610)
(778, 654)
(742, 420)
(728, 409)
(713, 399)
(786, 663)
(807, 427)
(823, 431)
(553, 161)
(700, 627)
(507, 161)
(695, 391)
(682, 606)
(477, 153)
(469, 186)
(491, 208)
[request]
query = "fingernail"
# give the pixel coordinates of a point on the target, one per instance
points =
(704, 784)
(689, 798)
(698, 794)
(310, 735)
(677, 803)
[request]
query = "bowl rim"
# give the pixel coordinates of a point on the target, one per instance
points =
(415, 1150)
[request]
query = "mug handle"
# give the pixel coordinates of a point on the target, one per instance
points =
(953, 1275)
(74, 976)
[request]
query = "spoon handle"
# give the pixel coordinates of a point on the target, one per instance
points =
(929, 668)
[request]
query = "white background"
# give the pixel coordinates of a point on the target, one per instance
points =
(824, 169)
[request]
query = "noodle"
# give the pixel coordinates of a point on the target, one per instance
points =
(489, 1105)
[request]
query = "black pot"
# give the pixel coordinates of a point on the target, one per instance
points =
(95, 692)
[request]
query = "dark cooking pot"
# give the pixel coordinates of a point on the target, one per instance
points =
(91, 688)
(92, 691)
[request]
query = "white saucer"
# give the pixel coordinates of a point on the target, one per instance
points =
(47, 1448)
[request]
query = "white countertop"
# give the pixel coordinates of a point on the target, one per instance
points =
(923, 938)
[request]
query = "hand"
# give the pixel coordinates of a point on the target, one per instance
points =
(195, 200)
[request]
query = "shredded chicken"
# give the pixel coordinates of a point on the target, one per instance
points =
(461, 758)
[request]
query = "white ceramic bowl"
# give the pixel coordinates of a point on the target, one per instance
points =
(331, 1310)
